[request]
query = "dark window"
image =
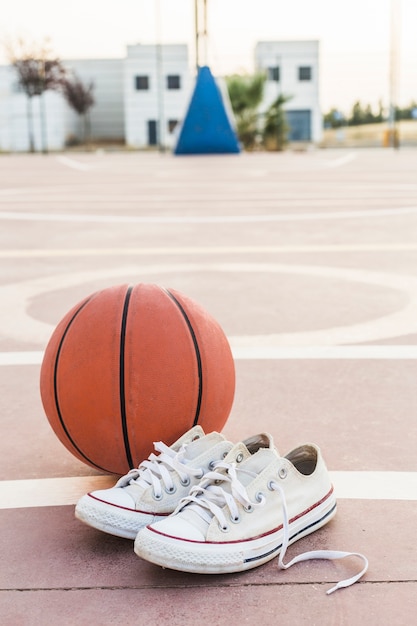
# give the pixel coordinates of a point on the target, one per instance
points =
(152, 133)
(142, 82)
(173, 81)
(171, 125)
(273, 73)
(304, 73)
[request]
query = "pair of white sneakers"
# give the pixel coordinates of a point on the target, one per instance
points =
(209, 506)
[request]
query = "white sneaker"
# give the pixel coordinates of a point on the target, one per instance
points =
(245, 512)
(153, 490)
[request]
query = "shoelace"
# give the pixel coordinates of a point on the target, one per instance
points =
(158, 469)
(212, 498)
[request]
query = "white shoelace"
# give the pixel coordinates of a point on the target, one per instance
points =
(157, 470)
(211, 499)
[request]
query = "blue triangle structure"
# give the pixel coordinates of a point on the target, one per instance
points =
(206, 128)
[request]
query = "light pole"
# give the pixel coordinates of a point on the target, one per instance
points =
(200, 32)
(159, 79)
(393, 71)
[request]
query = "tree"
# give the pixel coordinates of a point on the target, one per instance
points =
(246, 93)
(364, 114)
(80, 97)
(37, 70)
(275, 127)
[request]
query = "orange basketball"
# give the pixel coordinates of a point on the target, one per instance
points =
(128, 366)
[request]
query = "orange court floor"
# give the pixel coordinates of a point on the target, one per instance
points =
(308, 260)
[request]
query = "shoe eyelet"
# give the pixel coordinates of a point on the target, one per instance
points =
(260, 497)
(157, 496)
(249, 508)
(282, 472)
(212, 465)
(195, 438)
(239, 458)
(225, 455)
(271, 484)
(200, 475)
(170, 490)
(225, 528)
(186, 482)
(235, 520)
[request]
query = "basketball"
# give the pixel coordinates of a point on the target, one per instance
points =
(131, 365)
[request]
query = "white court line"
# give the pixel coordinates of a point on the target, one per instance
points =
(204, 219)
(205, 250)
(21, 326)
(73, 164)
(247, 353)
(347, 158)
(39, 492)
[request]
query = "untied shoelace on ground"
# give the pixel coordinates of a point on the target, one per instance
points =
(211, 496)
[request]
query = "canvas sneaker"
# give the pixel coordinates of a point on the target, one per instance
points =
(246, 511)
(153, 490)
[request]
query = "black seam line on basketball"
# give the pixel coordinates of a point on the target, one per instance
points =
(197, 354)
(317, 521)
(122, 377)
(58, 408)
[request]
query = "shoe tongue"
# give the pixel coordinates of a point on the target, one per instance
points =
(253, 455)
(196, 447)
(249, 447)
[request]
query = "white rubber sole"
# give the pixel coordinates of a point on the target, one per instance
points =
(112, 519)
(226, 557)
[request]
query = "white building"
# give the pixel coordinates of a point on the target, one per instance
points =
(157, 88)
(140, 99)
(107, 115)
(292, 69)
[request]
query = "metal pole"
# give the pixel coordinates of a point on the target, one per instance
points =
(159, 79)
(205, 60)
(197, 35)
(393, 74)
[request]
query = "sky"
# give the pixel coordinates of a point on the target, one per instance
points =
(356, 42)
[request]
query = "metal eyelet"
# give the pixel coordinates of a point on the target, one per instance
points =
(186, 482)
(239, 458)
(170, 490)
(225, 528)
(212, 465)
(195, 438)
(157, 496)
(271, 485)
(260, 497)
(282, 472)
(225, 454)
(249, 509)
(235, 520)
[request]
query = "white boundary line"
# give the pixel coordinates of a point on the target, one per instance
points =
(205, 219)
(206, 250)
(269, 353)
(40, 492)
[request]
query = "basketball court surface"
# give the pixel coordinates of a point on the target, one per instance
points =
(309, 262)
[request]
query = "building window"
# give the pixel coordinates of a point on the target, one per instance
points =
(142, 82)
(173, 81)
(171, 125)
(273, 73)
(304, 73)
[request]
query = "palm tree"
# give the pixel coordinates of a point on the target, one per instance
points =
(246, 93)
(275, 127)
